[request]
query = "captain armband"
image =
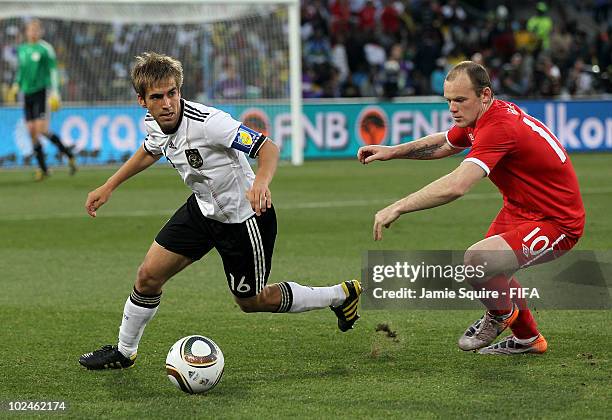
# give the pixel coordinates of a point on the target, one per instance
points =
(248, 141)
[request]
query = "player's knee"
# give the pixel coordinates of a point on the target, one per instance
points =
(475, 258)
(147, 281)
(478, 260)
(262, 302)
(248, 305)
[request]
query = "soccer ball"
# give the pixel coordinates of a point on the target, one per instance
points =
(195, 364)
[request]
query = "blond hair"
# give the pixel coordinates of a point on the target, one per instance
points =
(152, 68)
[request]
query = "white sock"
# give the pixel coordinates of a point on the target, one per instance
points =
(298, 298)
(526, 340)
(134, 321)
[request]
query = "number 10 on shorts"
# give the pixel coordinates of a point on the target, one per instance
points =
(535, 248)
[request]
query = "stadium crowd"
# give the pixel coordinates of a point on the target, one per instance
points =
(389, 48)
(351, 48)
(94, 59)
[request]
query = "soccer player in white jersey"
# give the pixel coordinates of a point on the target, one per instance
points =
(230, 210)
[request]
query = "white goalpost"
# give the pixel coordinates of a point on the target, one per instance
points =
(243, 56)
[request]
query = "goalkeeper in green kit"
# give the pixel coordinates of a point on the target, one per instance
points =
(37, 73)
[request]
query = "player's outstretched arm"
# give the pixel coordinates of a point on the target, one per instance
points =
(441, 191)
(429, 147)
(138, 162)
(259, 195)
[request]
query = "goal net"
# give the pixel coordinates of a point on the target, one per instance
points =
(239, 56)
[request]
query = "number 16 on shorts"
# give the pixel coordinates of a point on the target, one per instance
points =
(240, 287)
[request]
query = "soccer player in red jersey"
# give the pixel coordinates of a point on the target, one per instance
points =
(542, 216)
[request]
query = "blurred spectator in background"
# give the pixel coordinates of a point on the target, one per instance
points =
(524, 40)
(428, 50)
(390, 23)
(408, 26)
(453, 13)
(314, 16)
(317, 49)
(310, 88)
(438, 76)
(332, 84)
(478, 59)
(502, 40)
(514, 80)
(604, 56)
(601, 10)
(230, 84)
(355, 53)
(340, 16)
(365, 79)
(541, 25)
(395, 74)
(349, 89)
(547, 77)
(367, 18)
(375, 54)
(560, 45)
(339, 57)
(580, 79)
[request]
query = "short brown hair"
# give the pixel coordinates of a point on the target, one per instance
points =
(151, 68)
(477, 73)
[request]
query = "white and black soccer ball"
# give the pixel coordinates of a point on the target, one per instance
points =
(195, 364)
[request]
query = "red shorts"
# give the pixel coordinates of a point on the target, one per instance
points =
(534, 242)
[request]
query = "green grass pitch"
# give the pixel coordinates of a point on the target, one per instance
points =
(65, 278)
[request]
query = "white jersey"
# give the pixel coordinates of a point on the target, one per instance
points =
(208, 149)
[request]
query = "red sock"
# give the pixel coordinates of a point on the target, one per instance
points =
(525, 326)
(496, 306)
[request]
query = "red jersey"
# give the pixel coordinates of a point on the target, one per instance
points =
(525, 160)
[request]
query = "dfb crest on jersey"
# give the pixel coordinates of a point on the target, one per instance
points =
(194, 158)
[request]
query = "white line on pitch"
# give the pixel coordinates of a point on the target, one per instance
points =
(297, 206)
